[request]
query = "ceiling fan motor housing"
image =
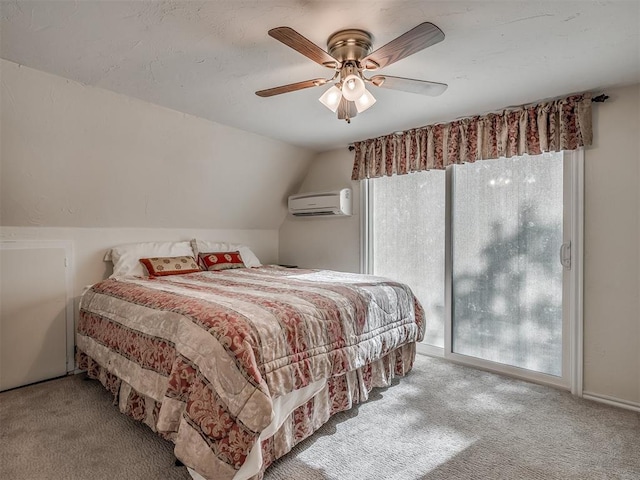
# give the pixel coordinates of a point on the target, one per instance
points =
(350, 45)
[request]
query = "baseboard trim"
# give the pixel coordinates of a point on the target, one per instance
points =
(613, 401)
(429, 350)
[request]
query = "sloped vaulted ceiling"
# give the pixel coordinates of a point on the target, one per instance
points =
(77, 156)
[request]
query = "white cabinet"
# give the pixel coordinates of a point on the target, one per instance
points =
(36, 318)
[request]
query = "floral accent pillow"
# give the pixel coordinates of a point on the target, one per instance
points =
(220, 260)
(161, 266)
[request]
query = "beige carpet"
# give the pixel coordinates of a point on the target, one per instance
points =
(443, 421)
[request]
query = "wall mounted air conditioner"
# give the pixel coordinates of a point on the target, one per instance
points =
(337, 202)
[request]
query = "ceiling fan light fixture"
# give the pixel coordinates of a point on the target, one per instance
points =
(352, 87)
(331, 98)
(349, 54)
(365, 101)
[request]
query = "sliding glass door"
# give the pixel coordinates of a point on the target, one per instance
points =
(507, 230)
(481, 246)
(407, 240)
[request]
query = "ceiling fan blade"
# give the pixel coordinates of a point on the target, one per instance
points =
(306, 47)
(346, 109)
(416, 39)
(292, 87)
(410, 85)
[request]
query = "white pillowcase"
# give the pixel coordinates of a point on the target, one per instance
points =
(126, 258)
(204, 246)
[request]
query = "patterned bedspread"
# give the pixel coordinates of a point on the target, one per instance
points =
(209, 353)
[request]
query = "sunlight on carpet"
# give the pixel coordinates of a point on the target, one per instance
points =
(440, 422)
(445, 421)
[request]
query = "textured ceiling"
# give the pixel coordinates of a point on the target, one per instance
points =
(207, 58)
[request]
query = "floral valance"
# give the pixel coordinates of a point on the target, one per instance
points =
(563, 124)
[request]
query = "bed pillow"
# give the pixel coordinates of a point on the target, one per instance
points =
(204, 246)
(162, 266)
(221, 260)
(126, 258)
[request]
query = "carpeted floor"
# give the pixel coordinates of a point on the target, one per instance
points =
(443, 421)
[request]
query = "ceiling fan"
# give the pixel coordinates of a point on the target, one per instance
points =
(349, 55)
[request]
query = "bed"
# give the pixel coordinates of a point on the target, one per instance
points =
(236, 366)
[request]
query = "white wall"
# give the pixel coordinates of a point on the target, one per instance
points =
(99, 169)
(612, 243)
(612, 249)
(325, 242)
(80, 156)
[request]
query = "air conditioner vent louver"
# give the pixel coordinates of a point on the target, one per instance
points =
(331, 203)
(311, 214)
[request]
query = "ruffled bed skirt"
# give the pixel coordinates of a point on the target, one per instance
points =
(340, 393)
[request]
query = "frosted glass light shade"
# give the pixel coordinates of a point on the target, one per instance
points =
(365, 101)
(352, 87)
(331, 98)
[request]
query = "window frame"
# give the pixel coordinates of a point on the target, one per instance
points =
(573, 285)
